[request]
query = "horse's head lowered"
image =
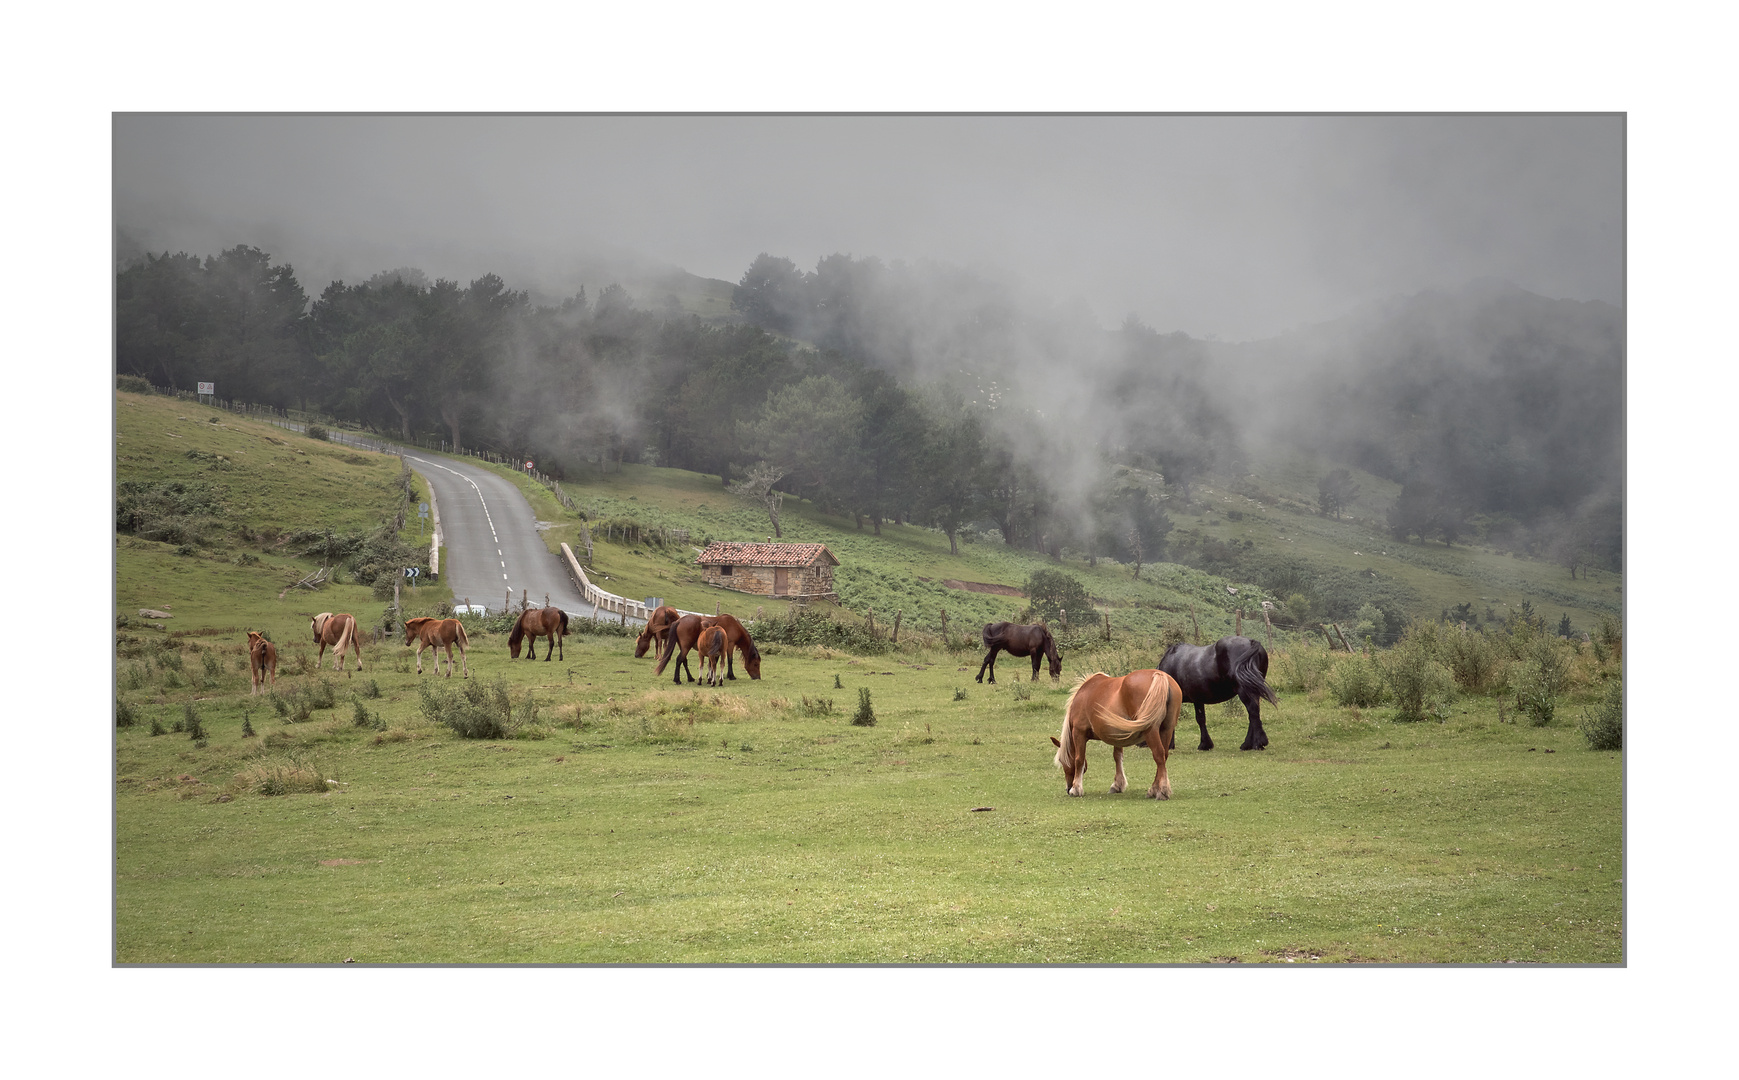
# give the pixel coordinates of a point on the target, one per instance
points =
(318, 624)
(1054, 654)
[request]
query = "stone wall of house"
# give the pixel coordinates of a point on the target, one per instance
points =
(812, 580)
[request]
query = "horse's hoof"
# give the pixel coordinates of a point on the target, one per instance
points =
(1205, 746)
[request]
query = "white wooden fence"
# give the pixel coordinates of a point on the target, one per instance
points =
(604, 601)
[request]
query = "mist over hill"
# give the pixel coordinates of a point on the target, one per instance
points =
(935, 394)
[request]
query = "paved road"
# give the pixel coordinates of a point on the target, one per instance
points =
(492, 541)
(490, 533)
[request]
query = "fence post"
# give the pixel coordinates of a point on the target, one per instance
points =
(896, 626)
(1107, 628)
(1238, 628)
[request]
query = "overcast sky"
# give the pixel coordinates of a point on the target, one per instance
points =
(1238, 227)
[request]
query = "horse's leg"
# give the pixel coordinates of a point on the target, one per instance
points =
(419, 656)
(1156, 740)
(1078, 762)
(1256, 736)
(464, 662)
(990, 663)
(730, 668)
(1121, 782)
(1202, 722)
(1038, 654)
(563, 642)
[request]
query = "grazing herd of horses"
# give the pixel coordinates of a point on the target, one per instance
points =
(1137, 709)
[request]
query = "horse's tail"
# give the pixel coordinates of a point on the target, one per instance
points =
(1063, 752)
(460, 635)
(564, 614)
(346, 630)
(1149, 713)
(984, 635)
(667, 651)
(1251, 672)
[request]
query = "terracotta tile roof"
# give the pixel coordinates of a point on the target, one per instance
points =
(721, 553)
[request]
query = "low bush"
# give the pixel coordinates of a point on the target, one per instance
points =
(474, 711)
(960, 693)
(1299, 667)
(1356, 682)
(133, 384)
(1473, 659)
(322, 696)
(124, 715)
(1534, 696)
(1420, 686)
(213, 666)
(288, 776)
(191, 722)
(816, 628)
(1604, 727)
(865, 715)
(157, 727)
(317, 431)
(818, 706)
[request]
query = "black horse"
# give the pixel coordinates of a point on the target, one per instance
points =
(1018, 640)
(1232, 667)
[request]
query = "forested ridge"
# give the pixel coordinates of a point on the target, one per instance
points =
(929, 394)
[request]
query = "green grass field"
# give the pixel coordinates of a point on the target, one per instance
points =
(632, 821)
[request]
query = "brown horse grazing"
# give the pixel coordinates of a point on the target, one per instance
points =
(684, 634)
(710, 646)
(1140, 707)
(657, 629)
(339, 631)
(550, 622)
(432, 634)
(262, 661)
(1018, 640)
(737, 639)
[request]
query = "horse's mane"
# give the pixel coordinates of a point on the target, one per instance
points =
(518, 634)
(1068, 705)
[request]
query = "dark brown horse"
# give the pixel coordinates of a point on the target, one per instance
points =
(684, 634)
(262, 661)
(1018, 640)
(1125, 710)
(338, 631)
(711, 646)
(433, 634)
(657, 629)
(1232, 667)
(550, 622)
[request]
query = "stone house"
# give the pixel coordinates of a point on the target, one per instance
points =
(770, 569)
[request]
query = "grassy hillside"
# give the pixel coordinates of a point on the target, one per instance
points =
(904, 568)
(247, 489)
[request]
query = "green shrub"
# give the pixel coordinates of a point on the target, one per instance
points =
(474, 711)
(1355, 681)
(157, 727)
(213, 666)
(960, 693)
(191, 722)
(818, 706)
(317, 431)
(1473, 659)
(370, 689)
(133, 384)
(124, 715)
(248, 731)
(321, 695)
(1604, 728)
(815, 628)
(865, 715)
(285, 777)
(1052, 592)
(1551, 654)
(1300, 667)
(359, 714)
(1022, 691)
(279, 705)
(1420, 687)
(1535, 698)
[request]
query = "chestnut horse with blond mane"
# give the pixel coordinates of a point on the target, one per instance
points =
(432, 634)
(339, 631)
(1126, 710)
(262, 661)
(550, 622)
